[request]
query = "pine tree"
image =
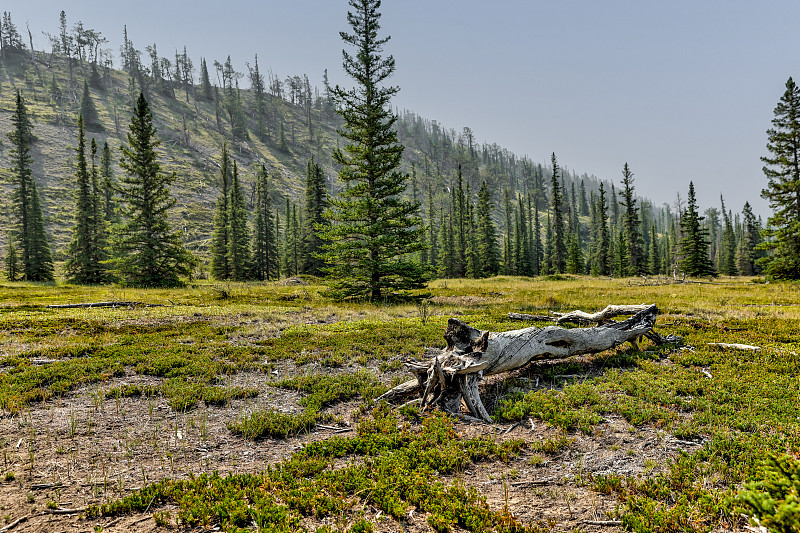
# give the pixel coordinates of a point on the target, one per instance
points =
(487, 252)
(634, 255)
(694, 245)
(654, 257)
(559, 247)
(375, 233)
(86, 251)
(37, 262)
(220, 237)
(782, 169)
(446, 257)
(265, 252)
(149, 253)
(433, 245)
(110, 204)
(747, 253)
(549, 246)
(238, 233)
(537, 251)
(206, 90)
(727, 252)
(11, 261)
(314, 221)
(260, 97)
(601, 262)
(89, 112)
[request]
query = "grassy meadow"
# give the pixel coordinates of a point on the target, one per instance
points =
(250, 407)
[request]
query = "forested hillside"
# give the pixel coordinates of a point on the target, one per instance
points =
(200, 104)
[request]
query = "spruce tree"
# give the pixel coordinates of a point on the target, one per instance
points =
(488, 252)
(149, 253)
(110, 204)
(654, 257)
(88, 111)
(11, 261)
(634, 255)
(559, 245)
(747, 253)
(29, 232)
(86, 251)
(375, 233)
(314, 221)
(694, 245)
(537, 250)
(727, 252)
(238, 233)
(601, 262)
(265, 249)
(206, 91)
(433, 245)
(782, 169)
(220, 237)
(446, 261)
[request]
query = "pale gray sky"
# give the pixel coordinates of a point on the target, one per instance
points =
(682, 90)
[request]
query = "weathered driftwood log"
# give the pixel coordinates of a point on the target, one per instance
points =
(581, 317)
(454, 374)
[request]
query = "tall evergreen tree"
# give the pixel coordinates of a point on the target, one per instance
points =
(559, 247)
(314, 221)
(747, 253)
(537, 250)
(29, 232)
(654, 257)
(86, 250)
(694, 245)
(11, 262)
(88, 111)
(149, 253)
(601, 261)
(220, 236)
(634, 254)
(782, 169)
(488, 252)
(238, 233)
(265, 250)
(258, 88)
(375, 233)
(108, 184)
(206, 90)
(727, 252)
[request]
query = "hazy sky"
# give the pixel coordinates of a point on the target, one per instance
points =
(681, 90)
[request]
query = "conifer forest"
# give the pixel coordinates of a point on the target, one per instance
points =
(236, 301)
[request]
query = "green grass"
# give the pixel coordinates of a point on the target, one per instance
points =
(745, 412)
(393, 467)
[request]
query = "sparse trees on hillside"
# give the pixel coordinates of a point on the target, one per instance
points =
(374, 232)
(149, 253)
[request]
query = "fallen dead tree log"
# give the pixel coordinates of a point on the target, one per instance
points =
(453, 375)
(103, 304)
(581, 317)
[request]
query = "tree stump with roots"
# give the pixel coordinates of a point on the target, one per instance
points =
(453, 375)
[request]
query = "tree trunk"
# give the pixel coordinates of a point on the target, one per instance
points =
(454, 374)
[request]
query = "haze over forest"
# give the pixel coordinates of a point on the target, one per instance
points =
(682, 91)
